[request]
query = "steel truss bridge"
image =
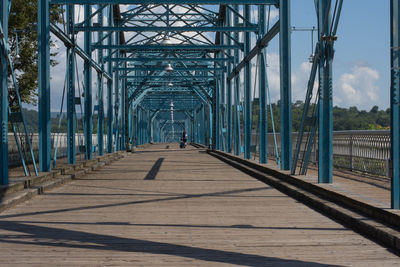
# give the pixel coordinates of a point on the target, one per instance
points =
(178, 65)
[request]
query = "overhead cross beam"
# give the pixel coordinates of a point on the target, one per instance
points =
(170, 59)
(78, 50)
(165, 28)
(173, 2)
(154, 68)
(261, 44)
(160, 47)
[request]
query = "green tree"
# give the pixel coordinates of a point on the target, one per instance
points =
(22, 22)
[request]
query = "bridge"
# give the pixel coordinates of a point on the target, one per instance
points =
(126, 194)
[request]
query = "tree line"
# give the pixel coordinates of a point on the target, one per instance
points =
(343, 118)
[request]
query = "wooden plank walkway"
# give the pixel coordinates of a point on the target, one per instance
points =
(172, 207)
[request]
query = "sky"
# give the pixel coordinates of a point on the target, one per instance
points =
(361, 68)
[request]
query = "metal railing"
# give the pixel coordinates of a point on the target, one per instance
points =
(14, 158)
(363, 151)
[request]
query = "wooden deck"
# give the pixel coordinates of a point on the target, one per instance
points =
(172, 207)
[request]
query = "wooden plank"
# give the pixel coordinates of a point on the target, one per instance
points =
(195, 210)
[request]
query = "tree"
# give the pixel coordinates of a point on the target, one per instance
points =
(374, 109)
(23, 22)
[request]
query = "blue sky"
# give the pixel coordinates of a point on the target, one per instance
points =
(361, 75)
(362, 58)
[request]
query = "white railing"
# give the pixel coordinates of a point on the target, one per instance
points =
(363, 151)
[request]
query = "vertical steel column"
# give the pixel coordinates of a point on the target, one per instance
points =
(325, 120)
(109, 90)
(210, 129)
(123, 114)
(394, 102)
(222, 102)
(136, 126)
(88, 86)
(192, 119)
(100, 115)
(140, 126)
(237, 142)
(71, 116)
(4, 96)
(286, 85)
(44, 85)
(130, 126)
(229, 89)
(124, 111)
(217, 113)
(247, 89)
(262, 87)
(116, 96)
(203, 125)
(148, 132)
(138, 129)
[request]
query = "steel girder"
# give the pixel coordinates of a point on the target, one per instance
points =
(44, 85)
(4, 4)
(173, 2)
(71, 115)
(395, 103)
(286, 84)
(164, 28)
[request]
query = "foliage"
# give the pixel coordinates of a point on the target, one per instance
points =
(343, 118)
(23, 22)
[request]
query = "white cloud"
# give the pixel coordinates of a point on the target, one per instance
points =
(357, 88)
(300, 76)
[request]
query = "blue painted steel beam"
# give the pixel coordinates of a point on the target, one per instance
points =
(168, 29)
(109, 90)
(210, 126)
(260, 45)
(4, 96)
(124, 113)
(158, 47)
(237, 132)
(395, 102)
(222, 102)
(247, 90)
(88, 126)
(262, 87)
(44, 85)
(168, 59)
(173, 2)
(286, 85)
(167, 77)
(325, 109)
(162, 68)
(229, 88)
(68, 42)
(71, 117)
(217, 115)
(116, 97)
(100, 113)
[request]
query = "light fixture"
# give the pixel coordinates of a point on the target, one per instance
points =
(169, 68)
(170, 84)
(166, 40)
(17, 59)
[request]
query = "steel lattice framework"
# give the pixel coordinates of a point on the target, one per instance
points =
(180, 65)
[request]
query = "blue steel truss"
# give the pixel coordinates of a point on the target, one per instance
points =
(177, 65)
